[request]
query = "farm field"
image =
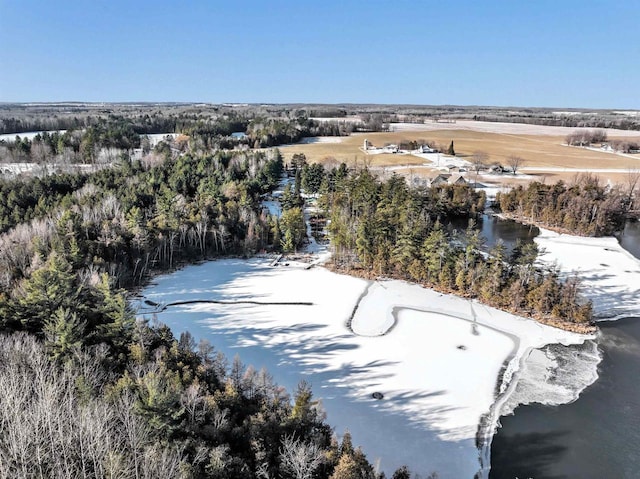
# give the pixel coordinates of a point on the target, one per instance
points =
(541, 147)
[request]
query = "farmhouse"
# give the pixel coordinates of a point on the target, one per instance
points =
(448, 179)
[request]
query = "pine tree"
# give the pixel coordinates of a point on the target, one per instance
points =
(114, 321)
(401, 473)
(450, 150)
(435, 250)
(64, 333)
(49, 288)
(303, 408)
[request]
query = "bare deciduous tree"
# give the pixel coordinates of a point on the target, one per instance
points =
(633, 180)
(48, 430)
(299, 459)
(515, 162)
(479, 161)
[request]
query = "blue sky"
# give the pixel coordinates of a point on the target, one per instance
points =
(561, 53)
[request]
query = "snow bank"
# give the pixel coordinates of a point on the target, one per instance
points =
(436, 359)
(610, 275)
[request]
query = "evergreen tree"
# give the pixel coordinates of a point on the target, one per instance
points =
(450, 150)
(64, 334)
(51, 287)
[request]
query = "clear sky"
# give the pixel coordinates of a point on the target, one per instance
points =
(561, 53)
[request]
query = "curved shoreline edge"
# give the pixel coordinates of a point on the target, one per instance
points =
(506, 381)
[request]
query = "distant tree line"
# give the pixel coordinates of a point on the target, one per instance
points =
(549, 119)
(105, 140)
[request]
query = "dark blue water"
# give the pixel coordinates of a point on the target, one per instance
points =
(494, 229)
(595, 437)
(629, 238)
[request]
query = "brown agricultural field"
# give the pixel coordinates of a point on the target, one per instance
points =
(544, 153)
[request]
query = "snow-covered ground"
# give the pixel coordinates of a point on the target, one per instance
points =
(17, 168)
(155, 138)
(273, 207)
(338, 119)
(610, 275)
(506, 128)
(436, 359)
(439, 160)
(576, 170)
(492, 190)
(11, 169)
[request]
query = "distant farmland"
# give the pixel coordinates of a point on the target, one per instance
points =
(541, 147)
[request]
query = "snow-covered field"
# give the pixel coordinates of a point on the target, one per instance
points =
(506, 128)
(318, 139)
(441, 160)
(436, 359)
(576, 170)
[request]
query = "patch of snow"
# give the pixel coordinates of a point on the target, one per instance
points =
(439, 160)
(155, 138)
(13, 169)
(627, 113)
(554, 375)
(338, 119)
(507, 128)
(610, 275)
(575, 170)
(273, 207)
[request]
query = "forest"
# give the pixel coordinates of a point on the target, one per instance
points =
(104, 139)
(388, 229)
(585, 207)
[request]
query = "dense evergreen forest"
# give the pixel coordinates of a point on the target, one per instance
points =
(387, 229)
(585, 207)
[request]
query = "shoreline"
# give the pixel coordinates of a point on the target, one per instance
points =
(552, 322)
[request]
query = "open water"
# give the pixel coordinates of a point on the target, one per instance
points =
(598, 435)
